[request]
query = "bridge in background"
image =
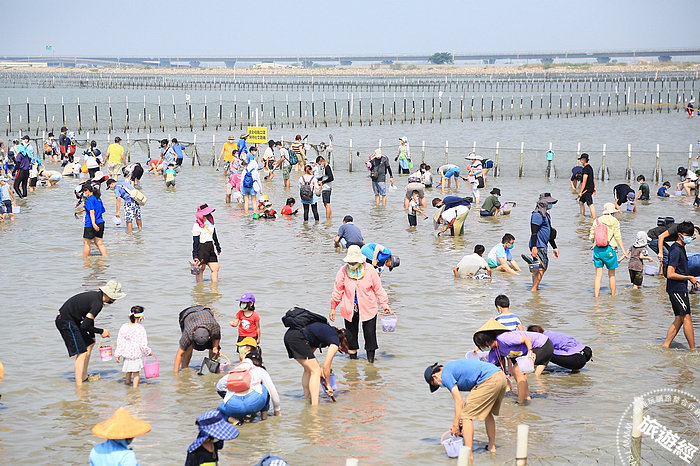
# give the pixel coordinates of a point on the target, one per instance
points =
(601, 56)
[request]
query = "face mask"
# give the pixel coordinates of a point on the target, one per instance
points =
(242, 350)
(688, 239)
(511, 246)
(549, 206)
(243, 306)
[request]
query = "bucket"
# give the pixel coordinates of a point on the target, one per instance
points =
(695, 164)
(16, 209)
(651, 269)
(332, 384)
(389, 322)
(630, 207)
(117, 220)
(678, 193)
(451, 444)
(534, 268)
(106, 350)
(224, 364)
(525, 364)
(152, 369)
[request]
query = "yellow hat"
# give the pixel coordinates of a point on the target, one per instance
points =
(121, 425)
(492, 324)
(248, 341)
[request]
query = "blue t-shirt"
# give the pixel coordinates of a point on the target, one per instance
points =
(320, 335)
(119, 191)
(179, 150)
(677, 258)
(466, 373)
(577, 170)
(92, 203)
(368, 251)
(663, 192)
(242, 147)
(544, 231)
(453, 201)
(351, 233)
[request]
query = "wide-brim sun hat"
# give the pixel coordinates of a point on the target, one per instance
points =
(244, 135)
(113, 289)
(493, 325)
(547, 197)
(609, 208)
(212, 424)
(495, 191)
(204, 210)
(354, 255)
(403, 139)
(121, 425)
(100, 176)
(641, 239)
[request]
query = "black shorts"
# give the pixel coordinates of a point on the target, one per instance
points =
(206, 253)
(412, 220)
(543, 354)
(574, 361)
(636, 277)
(8, 206)
(586, 198)
(76, 340)
(90, 233)
(680, 303)
(178, 162)
(326, 196)
(33, 181)
(297, 345)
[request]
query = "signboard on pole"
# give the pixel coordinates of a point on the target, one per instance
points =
(257, 134)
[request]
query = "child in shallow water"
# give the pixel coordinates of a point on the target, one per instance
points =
(132, 346)
(287, 209)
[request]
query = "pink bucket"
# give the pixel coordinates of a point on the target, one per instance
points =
(152, 369)
(106, 350)
(224, 364)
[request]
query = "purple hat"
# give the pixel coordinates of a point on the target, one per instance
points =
(247, 298)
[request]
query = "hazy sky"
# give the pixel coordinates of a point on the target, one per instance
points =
(304, 27)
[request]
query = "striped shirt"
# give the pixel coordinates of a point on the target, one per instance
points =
(194, 317)
(298, 147)
(510, 321)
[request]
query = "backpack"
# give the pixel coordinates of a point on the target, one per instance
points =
(248, 181)
(48, 149)
(293, 158)
(298, 318)
(600, 233)
(239, 379)
(306, 193)
(138, 197)
(374, 171)
(488, 164)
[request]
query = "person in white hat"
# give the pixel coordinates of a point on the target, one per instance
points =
(76, 324)
(605, 233)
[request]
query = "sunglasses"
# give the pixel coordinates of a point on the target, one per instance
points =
(110, 301)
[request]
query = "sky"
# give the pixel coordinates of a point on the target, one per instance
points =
(331, 27)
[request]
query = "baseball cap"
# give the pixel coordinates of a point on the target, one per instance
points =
(247, 298)
(200, 338)
(428, 374)
(584, 156)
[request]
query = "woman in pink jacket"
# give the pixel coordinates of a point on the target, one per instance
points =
(356, 290)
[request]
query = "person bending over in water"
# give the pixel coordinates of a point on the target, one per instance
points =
(568, 352)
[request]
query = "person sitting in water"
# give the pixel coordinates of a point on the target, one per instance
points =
(267, 210)
(287, 209)
(427, 177)
(486, 386)
(663, 190)
(380, 256)
(348, 234)
(568, 353)
(643, 191)
(688, 180)
(473, 265)
(503, 343)
(500, 258)
(249, 390)
(491, 204)
(576, 177)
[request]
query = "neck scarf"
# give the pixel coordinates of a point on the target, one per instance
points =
(356, 272)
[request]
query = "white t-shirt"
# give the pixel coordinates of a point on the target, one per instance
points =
(90, 161)
(205, 233)
(470, 265)
(453, 213)
(691, 176)
(412, 207)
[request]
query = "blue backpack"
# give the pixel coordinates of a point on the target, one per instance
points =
(248, 179)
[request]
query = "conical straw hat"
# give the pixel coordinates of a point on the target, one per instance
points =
(492, 324)
(121, 425)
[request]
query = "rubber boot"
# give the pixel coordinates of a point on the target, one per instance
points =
(352, 355)
(370, 356)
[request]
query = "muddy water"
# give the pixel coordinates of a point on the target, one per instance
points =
(385, 413)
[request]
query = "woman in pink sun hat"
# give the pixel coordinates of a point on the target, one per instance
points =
(204, 241)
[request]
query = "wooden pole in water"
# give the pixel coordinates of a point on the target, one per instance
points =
(495, 164)
(221, 106)
(194, 148)
(96, 120)
(522, 155)
(213, 149)
(128, 148)
(29, 121)
(46, 115)
(111, 123)
(657, 172)
(602, 166)
(578, 154)
(352, 462)
(174, 112)
(446, 151)
(636, 443)
(148, 145)
(350, 156)
(521, 450)
(204, 119)
(690, 155)
(126, 121)
(63, 111)
(628, 175)
(463, 458)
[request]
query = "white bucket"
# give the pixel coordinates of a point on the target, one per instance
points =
(16, 209)
(525, 364)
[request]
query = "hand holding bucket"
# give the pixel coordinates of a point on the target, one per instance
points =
(389, 321)
(451, 444)
(152, 369)
(105, 349)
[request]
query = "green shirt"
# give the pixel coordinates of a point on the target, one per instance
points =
(492, 204)
(644, 188)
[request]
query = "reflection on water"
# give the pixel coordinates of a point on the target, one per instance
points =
(384, 413)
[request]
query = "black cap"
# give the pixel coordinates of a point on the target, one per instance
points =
(428, 374)
(584, 156)
(63, 128)
(117, 139)
(495, 191)
(110, 181)
(25, 137)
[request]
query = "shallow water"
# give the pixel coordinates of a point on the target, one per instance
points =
(385, 413)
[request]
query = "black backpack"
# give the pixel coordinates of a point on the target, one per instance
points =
(306, 192)
(298, 318)
(374, 171)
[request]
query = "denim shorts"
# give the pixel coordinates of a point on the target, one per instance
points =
(247, 191)
(251, 403)
(379, 188)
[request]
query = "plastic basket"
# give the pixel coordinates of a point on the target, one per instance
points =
(451, 444)
(152, 369)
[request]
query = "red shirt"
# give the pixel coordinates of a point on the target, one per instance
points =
(287, 210)
(247, 326)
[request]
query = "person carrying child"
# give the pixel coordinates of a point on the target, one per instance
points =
(132, 346)
(247, 320)
(287, 209)
(415, 206)
(638, 254)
